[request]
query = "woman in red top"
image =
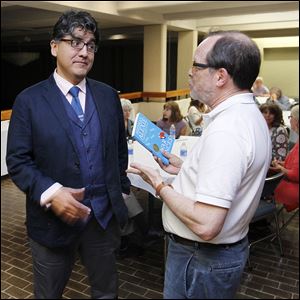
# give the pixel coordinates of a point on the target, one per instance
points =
(287, 192)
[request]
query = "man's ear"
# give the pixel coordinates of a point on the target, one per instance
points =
(54, 47)
(222, 77)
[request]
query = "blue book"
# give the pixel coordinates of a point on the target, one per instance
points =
(152, 137)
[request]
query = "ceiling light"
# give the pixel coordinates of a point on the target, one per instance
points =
(118, 37)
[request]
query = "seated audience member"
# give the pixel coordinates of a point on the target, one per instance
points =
(136, 217)
(276, 97)
(287, 192)
(195, 111)
(259, 89)
(127, 109)
(172, 115)
(279, 135)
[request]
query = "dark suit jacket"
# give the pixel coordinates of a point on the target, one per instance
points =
(41, 151)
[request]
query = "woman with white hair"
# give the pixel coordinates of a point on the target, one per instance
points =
(259, 89)
(287, 192)
(127, 110)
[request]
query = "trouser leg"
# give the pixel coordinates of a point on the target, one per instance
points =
(141, 223)
(97, 250)
(51, 270)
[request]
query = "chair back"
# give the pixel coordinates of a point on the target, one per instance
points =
(267, 208)
(271, 184)
(195, 131)
(267, 205)
(187, 119)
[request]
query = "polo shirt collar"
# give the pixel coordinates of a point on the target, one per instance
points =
(244, 98)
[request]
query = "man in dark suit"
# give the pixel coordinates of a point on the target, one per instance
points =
(67, 151)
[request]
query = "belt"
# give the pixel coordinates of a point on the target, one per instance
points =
(196, 244)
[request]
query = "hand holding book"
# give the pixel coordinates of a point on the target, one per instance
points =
(174, 165)
(152, 137)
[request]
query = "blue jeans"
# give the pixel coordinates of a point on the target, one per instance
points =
(204, 272)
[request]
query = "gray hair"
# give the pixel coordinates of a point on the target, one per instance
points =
(126, 103)
(295, 112)
(235, 52)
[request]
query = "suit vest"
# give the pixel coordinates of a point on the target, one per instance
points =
(89, 143)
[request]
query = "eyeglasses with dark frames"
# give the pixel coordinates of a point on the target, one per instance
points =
(78, 45)
(202, 66)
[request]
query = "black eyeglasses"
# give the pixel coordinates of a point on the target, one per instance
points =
(78, 45)
(203, 66)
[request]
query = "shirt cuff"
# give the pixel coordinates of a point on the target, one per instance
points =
(48, 194)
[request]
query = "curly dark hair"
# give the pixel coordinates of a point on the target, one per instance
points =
(275, 110)
(176, 115)
(70, 20)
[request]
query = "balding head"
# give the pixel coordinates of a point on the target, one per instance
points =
(237, 53)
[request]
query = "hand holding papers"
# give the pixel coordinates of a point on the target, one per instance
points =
(148, 174)
(143, 156)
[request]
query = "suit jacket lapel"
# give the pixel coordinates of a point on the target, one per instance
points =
(89, 108)
(53, 97)
(99, 98)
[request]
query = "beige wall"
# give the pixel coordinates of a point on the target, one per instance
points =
(281, 69)
(187, 44)
(280, 63)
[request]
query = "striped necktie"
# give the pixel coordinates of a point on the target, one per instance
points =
(76, 103)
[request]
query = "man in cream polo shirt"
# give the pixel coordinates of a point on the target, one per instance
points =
(208, 208)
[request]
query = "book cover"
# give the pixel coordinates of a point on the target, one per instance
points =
(152, 137)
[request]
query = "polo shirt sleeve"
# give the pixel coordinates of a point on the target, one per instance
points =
(222, 165)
